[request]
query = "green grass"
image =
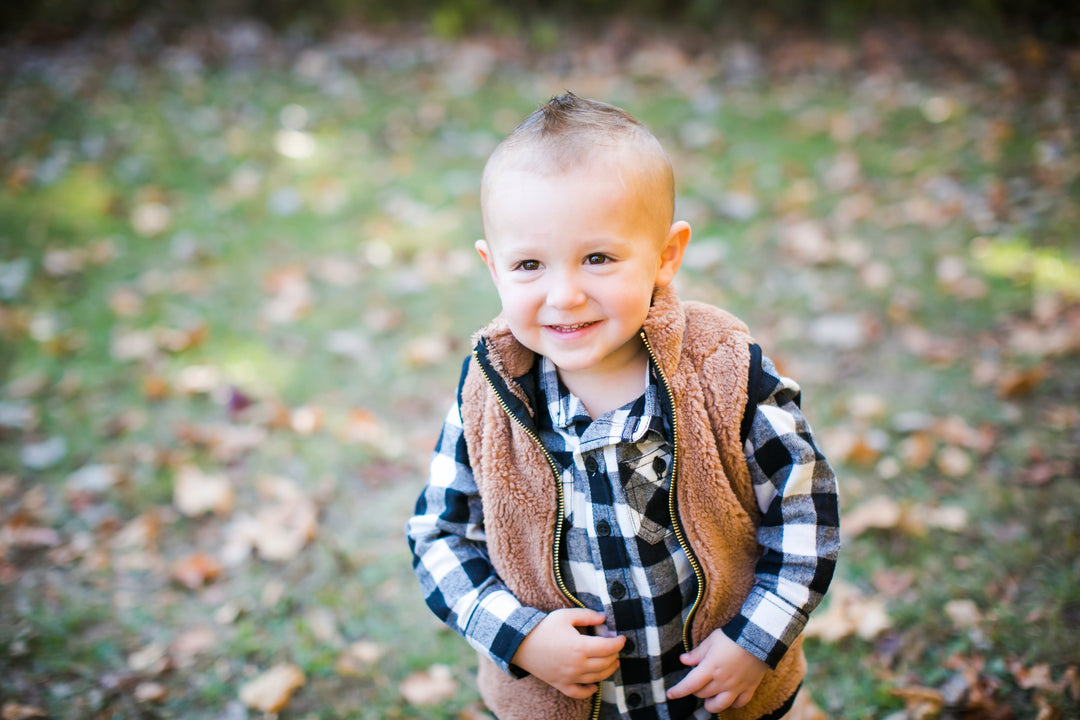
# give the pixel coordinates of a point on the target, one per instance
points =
(375, 230)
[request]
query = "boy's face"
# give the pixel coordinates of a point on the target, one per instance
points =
(575, 257)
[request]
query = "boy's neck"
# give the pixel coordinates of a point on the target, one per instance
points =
(602, 392)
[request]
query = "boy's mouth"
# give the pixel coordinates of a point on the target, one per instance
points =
(571, 328)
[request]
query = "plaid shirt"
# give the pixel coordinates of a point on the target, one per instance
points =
(621, 556)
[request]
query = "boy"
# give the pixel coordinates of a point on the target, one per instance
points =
(626, 514)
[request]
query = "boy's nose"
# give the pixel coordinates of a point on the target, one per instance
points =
(565, 293)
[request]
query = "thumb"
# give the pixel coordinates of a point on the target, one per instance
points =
(693, 657)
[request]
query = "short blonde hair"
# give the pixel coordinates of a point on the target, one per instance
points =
(569, 132)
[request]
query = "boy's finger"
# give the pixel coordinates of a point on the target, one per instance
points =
(692, 683)
(580, 617)
(604, 647)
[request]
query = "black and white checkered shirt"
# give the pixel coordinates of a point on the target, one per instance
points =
(621, 556)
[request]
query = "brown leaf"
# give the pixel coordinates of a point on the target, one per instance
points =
(150, 660)
(963, 613)
(17, 711)
(954, 462)
(917, 450)
(879, 512)
(430, 687)
(151, 692)
(288, 523)
(804, 708)
(271, 691)
(358, 658)
(126, 302)
(196, 570)
(19, 533)
(192, 643)
(155, 387)
(849, 612)
(428, 350)
(1018, 383)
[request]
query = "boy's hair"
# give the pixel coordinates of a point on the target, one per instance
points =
(568, 132)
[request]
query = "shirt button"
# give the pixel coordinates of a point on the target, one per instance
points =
(618, 590)
(603, 529)
(629, 647)
(590, 465)
(659, 466)
(633, 699)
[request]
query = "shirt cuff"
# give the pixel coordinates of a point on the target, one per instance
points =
(766, 626)
(498, 626)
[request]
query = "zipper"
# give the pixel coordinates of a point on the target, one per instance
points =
(560, 511)
(671, 495)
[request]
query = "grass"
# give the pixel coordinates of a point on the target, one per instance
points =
(295, 228)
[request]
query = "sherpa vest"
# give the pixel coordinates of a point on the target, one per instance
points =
(703, 354)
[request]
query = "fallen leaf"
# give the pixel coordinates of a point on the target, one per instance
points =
(921, 702)
(271, 691)
(963, 613)
(196, 492)
(128, 344)
(430, 687)
(196, 570)
(358, 657)
(198, 380)
(17, 711)
(954, 462)
(324, 627)
(306, 420)
(150, 218)
(155, 387)
(150, 660)
(849, 612)
(191, 643)
(18, 416)
(288, 523)
(19, 532)
(93, 479)
(151, 692)
(291, 296)
(879, 512)
(804, 708)
(428, 350)
(28, 385)
(917, 450)
(126, 302)
(44, 454)
(1018, 383)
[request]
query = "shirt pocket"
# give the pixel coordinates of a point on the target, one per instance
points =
(645, 484)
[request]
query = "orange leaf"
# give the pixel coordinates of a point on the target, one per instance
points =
(271, 691)
(196, 570)
(1018, 383)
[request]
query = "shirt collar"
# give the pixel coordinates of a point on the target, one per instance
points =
(568, 413)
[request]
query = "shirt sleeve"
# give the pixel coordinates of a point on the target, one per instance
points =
(799, 531)
(450, 558)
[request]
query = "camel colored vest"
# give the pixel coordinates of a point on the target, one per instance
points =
(704, 354)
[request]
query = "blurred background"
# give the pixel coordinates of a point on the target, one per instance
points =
(237, 281)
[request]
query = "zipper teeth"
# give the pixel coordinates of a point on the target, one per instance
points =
(555, 473)
(595, 715)
(671, 496)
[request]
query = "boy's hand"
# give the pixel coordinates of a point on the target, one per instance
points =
(562, 657)
(724, 674)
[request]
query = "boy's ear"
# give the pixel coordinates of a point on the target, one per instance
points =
(671, 255)
(485, 254)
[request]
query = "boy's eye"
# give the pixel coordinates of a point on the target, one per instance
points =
(528, 265)
(596, 259)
